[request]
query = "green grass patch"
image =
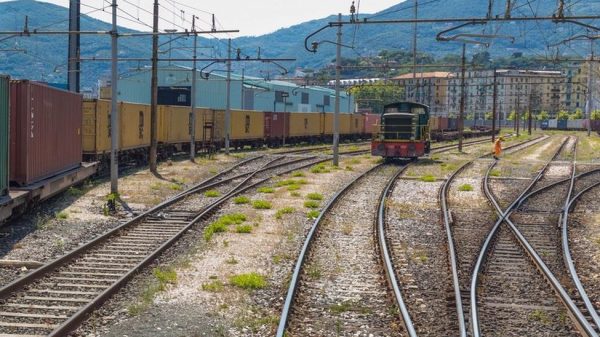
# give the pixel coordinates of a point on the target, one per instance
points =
(354, 161)
(62, 215)
(297, 174)
(213, 287)
(428, 178)
(285, 210)
(293, 187)
(495, 173)
(313, 214)
(241, 200)
(243, 229)
(261, 204)
(248, 281)
(314, 196)
(221, 224)
(320, 168)
(75, 192)
(349, 168)
(266, 189)
(311, 204)
(165, 277)
(539, 315)
(175, 187)
(295, 194)
(212, 194)
(465, 188)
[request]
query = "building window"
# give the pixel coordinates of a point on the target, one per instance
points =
(247, 124)
(304, 98)
(279, 96)
(326, 100)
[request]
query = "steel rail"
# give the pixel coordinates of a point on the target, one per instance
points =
(386, 256)
(18, 283)
(568, 259)
(581, 321)
(294, 281)
(448, 221)
(76, 319)
(293, 287)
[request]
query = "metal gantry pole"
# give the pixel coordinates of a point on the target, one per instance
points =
(590, 83)
(494, 103)
(74, 45)
(336, 116)
(154, 95)
(414, 42)
(228, 107)
(114, 113)
(461, 114)
(193, 96)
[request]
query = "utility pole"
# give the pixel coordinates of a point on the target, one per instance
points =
(193, 96)
(531, 98)
(461, 114)
(508, 9)
(494, 103)
(114, 113)
(336, 116)
(74, 45)
(590, 83)
(517, 112)
(154, 94)
(228, 108)
(414, 41)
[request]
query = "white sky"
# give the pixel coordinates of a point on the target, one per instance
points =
(251, 17)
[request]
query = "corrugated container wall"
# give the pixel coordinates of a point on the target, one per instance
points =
(4, 137)
(45, 131)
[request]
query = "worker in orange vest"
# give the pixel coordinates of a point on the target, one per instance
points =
(498, 147)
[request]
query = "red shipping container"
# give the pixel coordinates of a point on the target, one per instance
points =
(443, 123)
(276, 123)
(45, 125)
(372, 123)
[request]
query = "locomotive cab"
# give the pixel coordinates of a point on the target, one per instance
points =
(403, 131)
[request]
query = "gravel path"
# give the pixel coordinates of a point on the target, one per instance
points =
(342, 289)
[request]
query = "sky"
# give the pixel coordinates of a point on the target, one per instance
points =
(251, 17)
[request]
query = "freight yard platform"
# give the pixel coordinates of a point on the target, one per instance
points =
(20, 197)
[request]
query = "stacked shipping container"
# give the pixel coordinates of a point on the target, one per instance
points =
(45, 131)
(4, 138)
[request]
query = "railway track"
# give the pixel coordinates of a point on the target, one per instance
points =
(56, 298)
(414, 253)
(334, 290)
(509, 285)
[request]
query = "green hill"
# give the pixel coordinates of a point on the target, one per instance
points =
(45, 56)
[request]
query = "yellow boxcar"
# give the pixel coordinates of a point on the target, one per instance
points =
(134, 126)
(174, 124)
(245, 125)
(357, 125)
(344, 123)
(304, 124)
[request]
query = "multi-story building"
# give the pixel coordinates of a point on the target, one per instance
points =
(517, 90)
(430, 88)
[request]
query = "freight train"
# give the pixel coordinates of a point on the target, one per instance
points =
(253, 129)
(574, 125)
(403, 131)
(51, 139)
